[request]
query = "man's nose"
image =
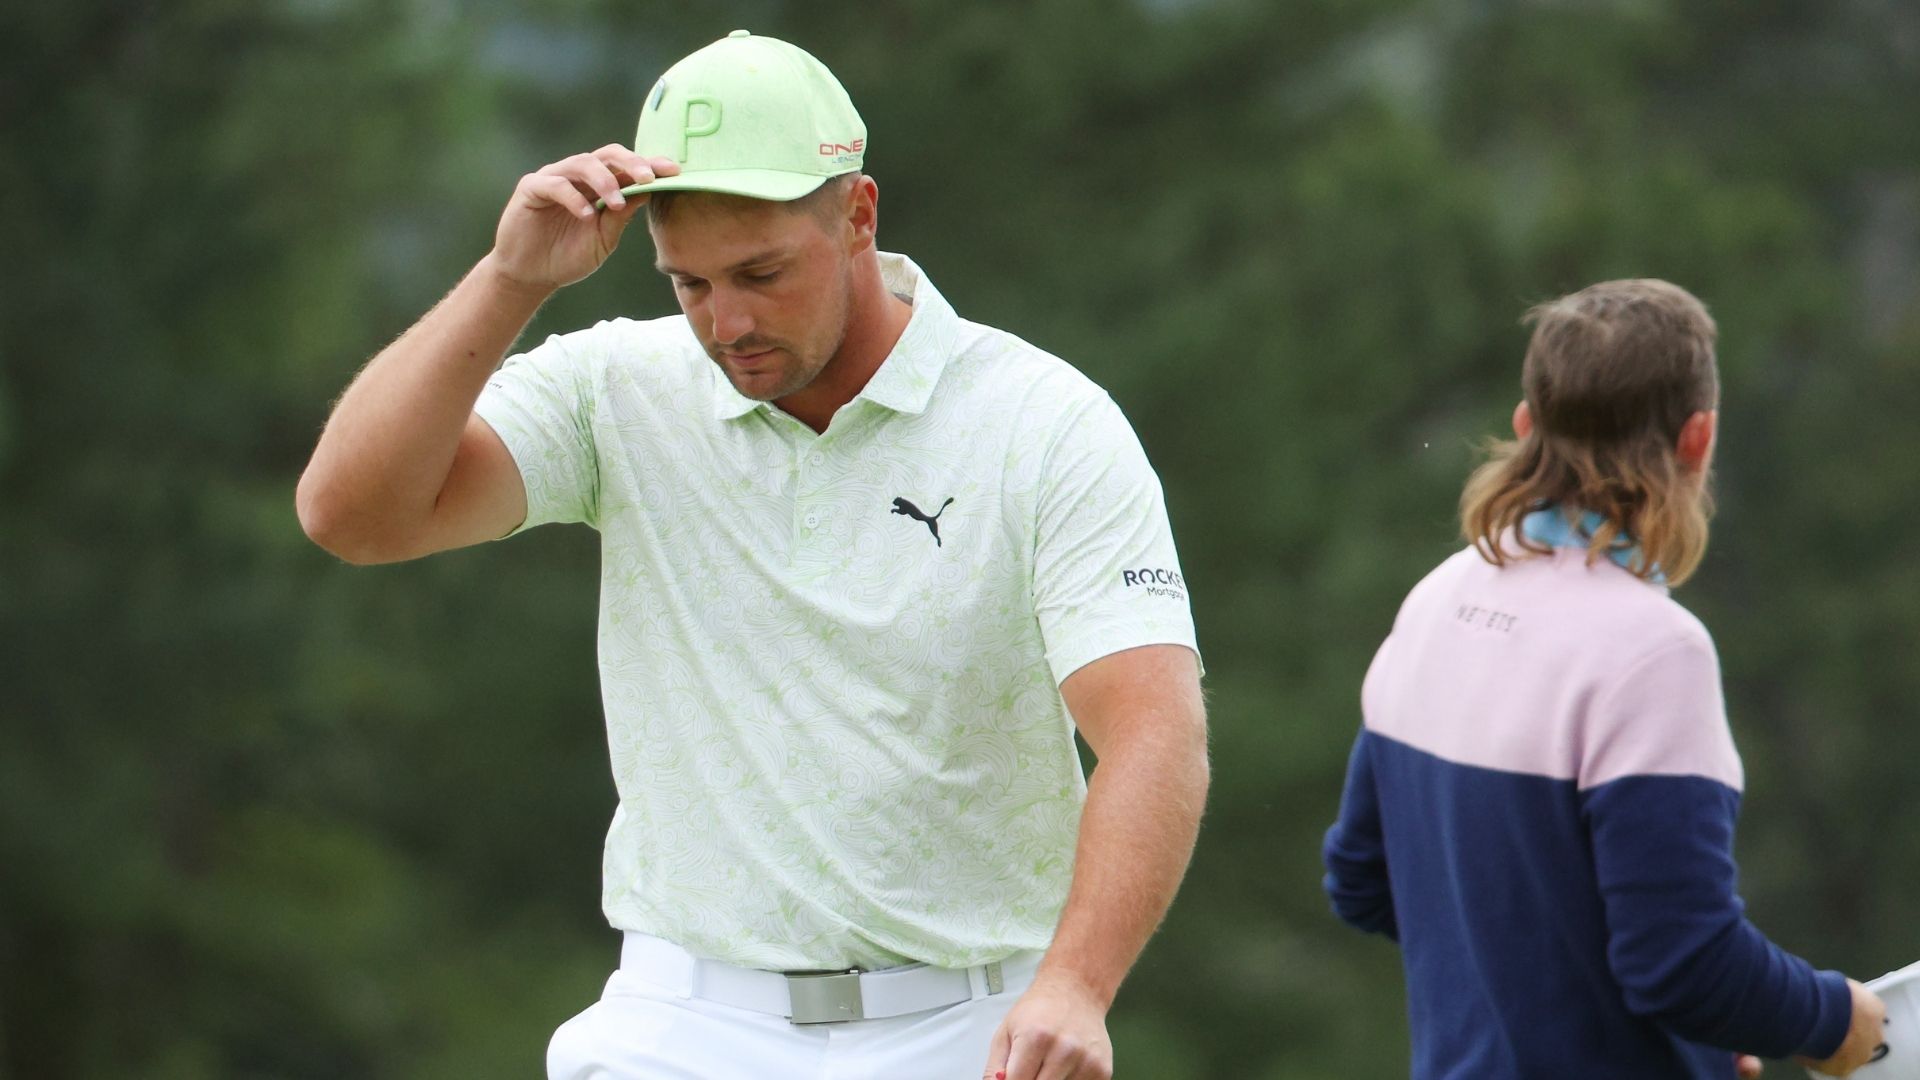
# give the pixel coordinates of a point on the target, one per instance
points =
(731, 319)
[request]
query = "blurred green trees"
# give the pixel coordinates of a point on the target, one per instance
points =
(264, 815)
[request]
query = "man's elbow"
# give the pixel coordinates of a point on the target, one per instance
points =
(1167, 755)
(329, 521)
(1189, 728)
(1189, 746)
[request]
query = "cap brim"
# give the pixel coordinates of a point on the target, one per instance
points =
(768, 184)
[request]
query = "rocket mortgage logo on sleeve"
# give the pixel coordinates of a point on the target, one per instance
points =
(1156, 582)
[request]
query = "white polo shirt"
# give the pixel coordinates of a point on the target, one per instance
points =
(830, 663)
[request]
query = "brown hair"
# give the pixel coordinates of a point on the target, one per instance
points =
(822, 202)
(1611, 376)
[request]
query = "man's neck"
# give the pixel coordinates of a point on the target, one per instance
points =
(874, 327)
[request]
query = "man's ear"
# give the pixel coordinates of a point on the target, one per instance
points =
(863, 213)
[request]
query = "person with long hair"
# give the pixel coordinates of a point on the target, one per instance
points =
(1540, 805)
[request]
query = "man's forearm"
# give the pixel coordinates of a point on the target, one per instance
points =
(387, 449)
(1137, 833)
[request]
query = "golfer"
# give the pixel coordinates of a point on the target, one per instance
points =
(866, 567)
(1540, 806)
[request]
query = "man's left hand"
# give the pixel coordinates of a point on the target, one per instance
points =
(1056, 1031)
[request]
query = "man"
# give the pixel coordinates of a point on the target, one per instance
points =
(866, 566)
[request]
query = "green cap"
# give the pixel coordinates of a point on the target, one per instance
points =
(751, 116)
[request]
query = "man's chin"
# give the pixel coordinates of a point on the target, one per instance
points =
(775, 376)
(761, 385)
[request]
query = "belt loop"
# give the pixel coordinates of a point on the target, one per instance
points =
(689, 985)
(984, 980)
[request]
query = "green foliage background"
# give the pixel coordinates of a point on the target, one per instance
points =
(265, 815)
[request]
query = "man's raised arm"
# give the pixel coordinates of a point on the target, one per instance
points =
(404, 467)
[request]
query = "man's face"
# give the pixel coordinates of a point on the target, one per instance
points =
(767, 290)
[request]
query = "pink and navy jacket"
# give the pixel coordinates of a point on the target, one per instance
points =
(1540, 810)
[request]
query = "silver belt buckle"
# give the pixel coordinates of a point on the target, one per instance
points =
(828, 998)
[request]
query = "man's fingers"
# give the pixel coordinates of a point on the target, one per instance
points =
(598, 179)
(1068, 1060)
(1746, 1066)
(1062, 1059)
(630, 168)
(548, 189)
(997, 1055)
(587, 175)
(1024, 1058)
(626, 163)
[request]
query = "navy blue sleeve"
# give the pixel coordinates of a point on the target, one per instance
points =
(1678, 940)
(1356, 854)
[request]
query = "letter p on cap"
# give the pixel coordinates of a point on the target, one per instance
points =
(708, 124)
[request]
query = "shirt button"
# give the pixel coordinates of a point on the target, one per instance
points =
(813, 521)
(816, 458)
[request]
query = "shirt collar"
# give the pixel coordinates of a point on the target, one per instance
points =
(906, 378)
(728, 403)
(1551, 526)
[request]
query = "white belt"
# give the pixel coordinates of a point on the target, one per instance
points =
(815, 998)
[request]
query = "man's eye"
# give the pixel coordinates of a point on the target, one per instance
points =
(687, 283)
(763, 276)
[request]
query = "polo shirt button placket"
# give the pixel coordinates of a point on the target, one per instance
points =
(809, 463)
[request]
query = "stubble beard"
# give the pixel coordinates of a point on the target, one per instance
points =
(809, 360)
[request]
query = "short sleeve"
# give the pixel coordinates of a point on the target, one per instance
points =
(1663, 716)
(541, 405)
(1106, 576)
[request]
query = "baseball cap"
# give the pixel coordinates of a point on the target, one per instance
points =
(752, 116)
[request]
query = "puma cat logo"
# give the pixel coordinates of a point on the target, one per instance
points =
(907, 509)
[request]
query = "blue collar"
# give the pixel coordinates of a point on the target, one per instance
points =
(1549, 526)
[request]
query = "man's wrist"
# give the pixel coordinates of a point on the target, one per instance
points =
(490, 274)
(1065, 978)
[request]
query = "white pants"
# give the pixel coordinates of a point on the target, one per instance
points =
(641, 1029)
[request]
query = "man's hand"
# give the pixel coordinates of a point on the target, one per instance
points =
(1056, 1031)
(1747, 1067)
(551, 236)
(1863, 1037)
